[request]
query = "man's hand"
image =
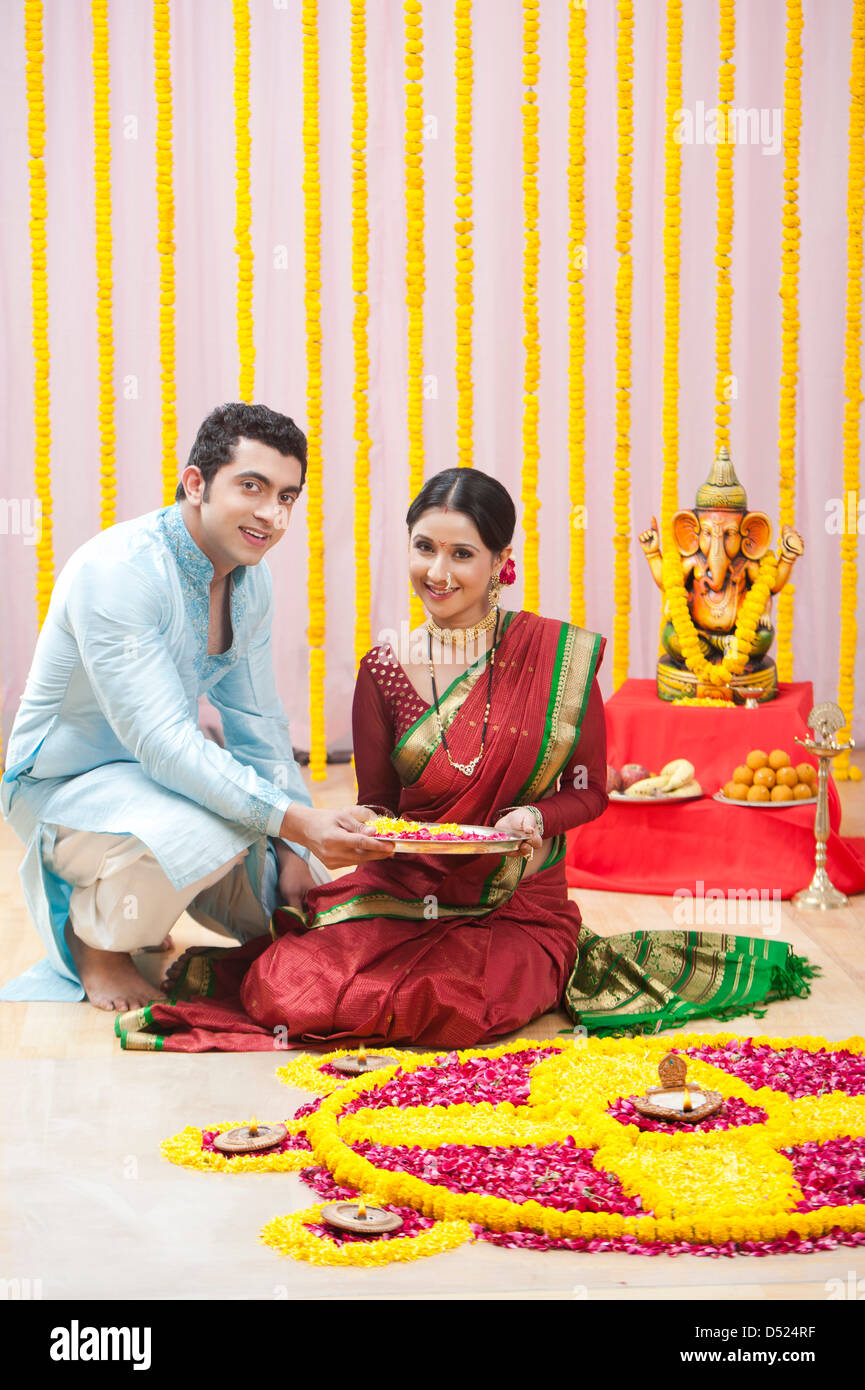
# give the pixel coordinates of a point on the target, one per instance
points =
(521, 823)
(295, 879)
(338, 838)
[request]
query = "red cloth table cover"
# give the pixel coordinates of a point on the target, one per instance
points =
(661, 849)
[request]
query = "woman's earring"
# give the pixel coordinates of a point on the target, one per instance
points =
(495, 591)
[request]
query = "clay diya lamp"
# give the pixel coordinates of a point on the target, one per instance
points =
(360, 1219)
(674, 1099)
(249, 1139)
(360, 1064)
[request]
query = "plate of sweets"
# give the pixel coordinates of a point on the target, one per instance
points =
(447, 837)
(770, 781)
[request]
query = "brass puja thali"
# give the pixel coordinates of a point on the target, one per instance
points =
(427, 837)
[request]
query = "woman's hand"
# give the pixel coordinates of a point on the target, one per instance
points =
(521, 822)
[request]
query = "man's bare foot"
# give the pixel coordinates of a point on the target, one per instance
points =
(110, 979)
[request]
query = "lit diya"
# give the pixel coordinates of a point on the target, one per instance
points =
(249, 1139)
(360, 1219)
(363, 1062)
(674, 1099)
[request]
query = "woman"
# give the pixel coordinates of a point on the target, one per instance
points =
(492, 718)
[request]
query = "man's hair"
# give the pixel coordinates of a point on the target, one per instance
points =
(218, 436)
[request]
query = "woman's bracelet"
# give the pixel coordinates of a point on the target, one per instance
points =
(534, 810)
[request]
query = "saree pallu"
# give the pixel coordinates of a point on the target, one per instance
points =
(447, 950)
(645, 982)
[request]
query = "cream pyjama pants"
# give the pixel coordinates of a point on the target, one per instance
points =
(122, 900)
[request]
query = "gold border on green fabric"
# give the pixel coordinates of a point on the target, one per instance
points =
(576, 659)
(414, 909)
(421, 740)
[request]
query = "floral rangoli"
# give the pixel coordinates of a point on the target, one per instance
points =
(538, 1146)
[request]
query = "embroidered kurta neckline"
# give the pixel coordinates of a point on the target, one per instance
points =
(196, 576)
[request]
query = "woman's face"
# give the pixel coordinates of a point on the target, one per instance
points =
(450, 568)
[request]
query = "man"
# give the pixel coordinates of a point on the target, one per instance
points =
(129, 813)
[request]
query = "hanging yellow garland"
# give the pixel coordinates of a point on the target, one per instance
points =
(624, 294)
(33, 46)
(531, 338)
(243, 201)
(852, 384)
(104, 323)
(789, 292)
(721, 672)
(165, 245)
(724, 236)
(463, 228)
(577, 310)
(359, 284)
(672, 271)
(314, 477)
(414, 268)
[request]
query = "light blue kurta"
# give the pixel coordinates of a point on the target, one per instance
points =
(106, 737)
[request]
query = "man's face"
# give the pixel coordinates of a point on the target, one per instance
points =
(248, 504)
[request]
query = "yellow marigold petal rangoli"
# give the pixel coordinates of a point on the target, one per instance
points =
(539, 1145)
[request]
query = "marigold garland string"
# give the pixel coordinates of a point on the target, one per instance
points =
(577, 310)
(789, 293)
(360, 321)
(842, 768)
(744, 636)
(33, 47)
(243, 200)
(531, 338)
(104, 319)
(624, 294)
(165, 245)
(463, 64)
(415, 274)
(672, 267)
(724, 235)
(314, 475)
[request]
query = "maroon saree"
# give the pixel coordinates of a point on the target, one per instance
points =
(448, 950)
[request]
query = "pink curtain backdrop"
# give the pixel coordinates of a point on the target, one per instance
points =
(206, 276)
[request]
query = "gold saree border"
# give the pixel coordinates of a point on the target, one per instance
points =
(576, 660)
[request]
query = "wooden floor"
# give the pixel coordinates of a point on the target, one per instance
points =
(72, 1034)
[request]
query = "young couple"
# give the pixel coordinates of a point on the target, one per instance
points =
(130, 815)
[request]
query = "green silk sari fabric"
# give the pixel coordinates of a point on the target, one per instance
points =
(645, 981)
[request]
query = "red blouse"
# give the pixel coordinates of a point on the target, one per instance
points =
(386, 704)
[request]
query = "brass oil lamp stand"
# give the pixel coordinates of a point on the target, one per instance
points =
(826, 720)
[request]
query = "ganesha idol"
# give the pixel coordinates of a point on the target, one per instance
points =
(718, 586)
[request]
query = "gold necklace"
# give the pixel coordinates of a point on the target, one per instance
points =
(466, 768)
(463, 634)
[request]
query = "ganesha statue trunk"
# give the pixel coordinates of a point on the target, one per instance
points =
(718, 583)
